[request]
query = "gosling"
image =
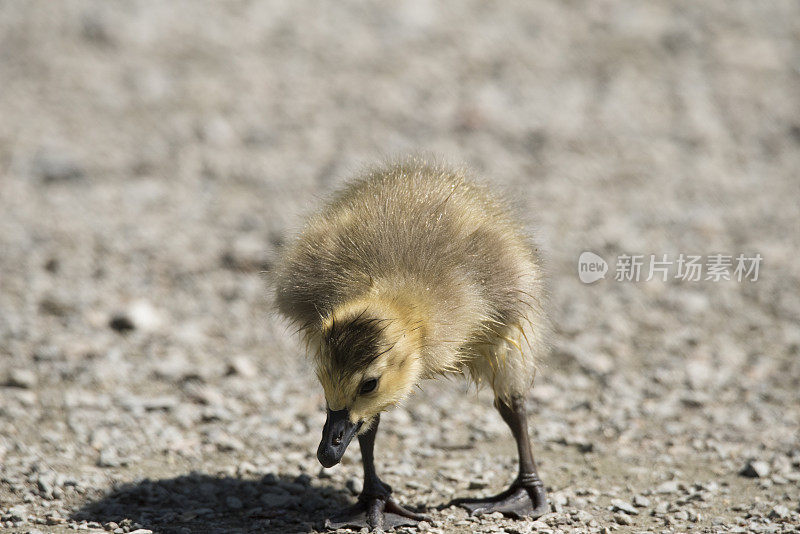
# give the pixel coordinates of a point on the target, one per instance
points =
(409, 273)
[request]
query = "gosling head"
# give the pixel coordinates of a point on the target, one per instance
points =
(368, 362)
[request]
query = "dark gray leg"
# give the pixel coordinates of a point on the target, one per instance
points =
(526, 497)
(375, 509)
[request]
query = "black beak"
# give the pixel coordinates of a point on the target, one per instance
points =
(336, 436)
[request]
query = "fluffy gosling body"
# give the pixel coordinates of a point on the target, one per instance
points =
(410, 272)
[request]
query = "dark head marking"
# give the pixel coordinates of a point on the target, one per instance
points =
(356, 342)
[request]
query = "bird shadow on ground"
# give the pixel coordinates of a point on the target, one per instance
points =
(200, 503)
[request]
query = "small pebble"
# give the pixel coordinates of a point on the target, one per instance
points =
(121, 323)
(755, 469)
(780, 512)
(56, 166)
(22, 378)
(242, 366)
(234, 503)
(622, 506)
(622, 519)
(670, 486)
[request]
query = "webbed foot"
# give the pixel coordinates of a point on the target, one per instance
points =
(523, 500)
(375, 513)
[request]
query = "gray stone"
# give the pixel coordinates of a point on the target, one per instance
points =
(780, 512)
(622, 506)
(242, 366)
(670, 486)
(276, 501)
(755, 469)
(234, 503)
(18, 512)
(22, 378)
(681, 515)
(623, 519)
(109, 458)
(56, 166)
(582, 516)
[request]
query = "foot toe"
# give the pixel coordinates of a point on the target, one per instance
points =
(374, 515)
(517, 503)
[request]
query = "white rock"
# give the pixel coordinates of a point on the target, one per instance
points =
(622, 506)
(242, 366)
(622, 519)
(144, 315)
(22, 378)
(670, 486)
(755, 469)
(780, 512)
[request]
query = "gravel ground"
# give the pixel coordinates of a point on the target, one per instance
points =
(153, 155)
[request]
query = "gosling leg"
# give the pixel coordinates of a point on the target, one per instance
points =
(376, 509)
(525, 498)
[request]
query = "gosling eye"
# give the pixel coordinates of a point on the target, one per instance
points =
(368, 386)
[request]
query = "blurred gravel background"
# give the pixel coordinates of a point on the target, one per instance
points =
(153, 155)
